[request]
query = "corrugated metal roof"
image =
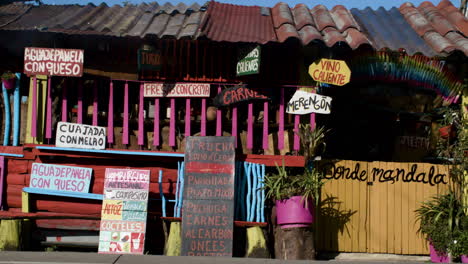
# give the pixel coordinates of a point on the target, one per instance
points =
(388, 29)
(443, 27)
(180, 21)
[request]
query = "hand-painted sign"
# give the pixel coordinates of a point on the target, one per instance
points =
(207, 221)
(71, 135)
(60, 178)
(124, 211)
(304, 102)
(250, 64)
(149, 60)
(415, 142)
(53, 62)
(176, 90)
(235, 95)
(334, 72)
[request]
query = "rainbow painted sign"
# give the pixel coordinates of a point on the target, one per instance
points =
(60, 178)
(124, 211)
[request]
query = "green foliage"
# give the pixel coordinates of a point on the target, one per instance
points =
(283, 184)
(8, 75)
(312, 140)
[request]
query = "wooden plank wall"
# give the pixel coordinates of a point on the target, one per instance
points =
(374, 214)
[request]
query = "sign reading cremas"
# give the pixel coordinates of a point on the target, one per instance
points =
(250, 64)
(334, 72)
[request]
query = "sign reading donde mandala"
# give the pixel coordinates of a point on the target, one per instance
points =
(176, 90)
(53, 62)
(71, 135)
(60, 178)
(334, 72)
(304, 102)
(250, 64)
(124, 211)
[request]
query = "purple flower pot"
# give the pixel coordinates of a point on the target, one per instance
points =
(292, 212)
(438, 257)
(9, 84)
(464, 258)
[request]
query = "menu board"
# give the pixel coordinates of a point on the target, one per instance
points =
(124, 211)
(208, 208)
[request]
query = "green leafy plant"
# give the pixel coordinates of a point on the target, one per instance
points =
(460, 240)
(312, 140)
(8, 75)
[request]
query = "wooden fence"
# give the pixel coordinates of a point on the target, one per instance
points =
(369, 206)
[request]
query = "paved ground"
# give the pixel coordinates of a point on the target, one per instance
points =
(21, 257)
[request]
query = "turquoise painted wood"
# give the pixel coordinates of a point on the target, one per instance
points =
(93, 196)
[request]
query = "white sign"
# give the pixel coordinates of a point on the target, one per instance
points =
(71, 135)
(177, 90)
(304, 102)
(53, 62)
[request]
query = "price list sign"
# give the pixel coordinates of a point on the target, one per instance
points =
(124, 211)
(208, 209)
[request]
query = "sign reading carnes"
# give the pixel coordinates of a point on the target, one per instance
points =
(334, 72)
(177, 90)
(236, 95)
(304, 102)
(53, 62)
(60, 178)
(71, 135)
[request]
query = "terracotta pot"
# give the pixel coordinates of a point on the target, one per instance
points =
(9, 84)
(438, 257)
(292, 212)
(211, 113)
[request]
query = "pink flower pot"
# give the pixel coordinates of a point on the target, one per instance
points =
(292, 212)
(438, 257)
(464, 258)
(9, 84)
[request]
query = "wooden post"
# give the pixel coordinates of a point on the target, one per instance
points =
(25, 205)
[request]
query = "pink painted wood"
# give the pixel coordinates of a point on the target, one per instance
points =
(250, 127)
(34, 109)
(125, 116)
(156, 123)
(49, 109)
(110, 115)
(234, 123)
(172, 124)
(187, 117)
(64, 102)
(219, 119)
(297, 119)
(203, 118)
(265, 125)
(281, 121)
(95, 103)
(80, 103)
(2, 179)
(141, 119)
(312, 118)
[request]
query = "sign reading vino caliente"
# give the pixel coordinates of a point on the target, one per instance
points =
(208, 209)
(236, 95)
(71, 135)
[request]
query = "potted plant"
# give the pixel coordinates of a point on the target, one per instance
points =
(449, 119)
(313, 141)
(8, 80)
(440, 220)
(459, 246)
(294, 194)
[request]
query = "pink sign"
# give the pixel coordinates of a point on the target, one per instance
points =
(177, 90)
(53, 62)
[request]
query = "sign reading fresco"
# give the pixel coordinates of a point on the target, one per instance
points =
(71, 135)
(208, 218)
(250, 64)
(149, 60)
(60, 178)
(124, 211)
(334, 72)
(176, 90)
(304, 102)
(53, 62)
(236, 95)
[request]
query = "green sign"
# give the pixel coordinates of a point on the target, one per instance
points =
(149, 60)
(250, 63)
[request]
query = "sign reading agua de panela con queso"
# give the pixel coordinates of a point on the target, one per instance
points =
(208, 208)
(71, 135)
(334, 72)
(124, 211)
(304, 102)
(53, 62)
(176, 90)
(250, 63)
(60, 178)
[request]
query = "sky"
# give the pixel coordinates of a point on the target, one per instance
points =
(360, 4)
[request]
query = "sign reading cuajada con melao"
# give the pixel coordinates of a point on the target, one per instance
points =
(71, 135)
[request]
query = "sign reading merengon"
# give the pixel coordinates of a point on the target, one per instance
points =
(71, 135)
(177, 90)
(53, 62)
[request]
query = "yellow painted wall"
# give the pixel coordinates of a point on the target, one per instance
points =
(41, 107)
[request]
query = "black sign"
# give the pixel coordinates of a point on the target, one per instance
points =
(235, 95)
(208, 209)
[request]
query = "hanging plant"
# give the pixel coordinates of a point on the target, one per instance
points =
(8, 80)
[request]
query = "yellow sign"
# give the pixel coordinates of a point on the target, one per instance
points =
(111, 209)
(334, 72)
